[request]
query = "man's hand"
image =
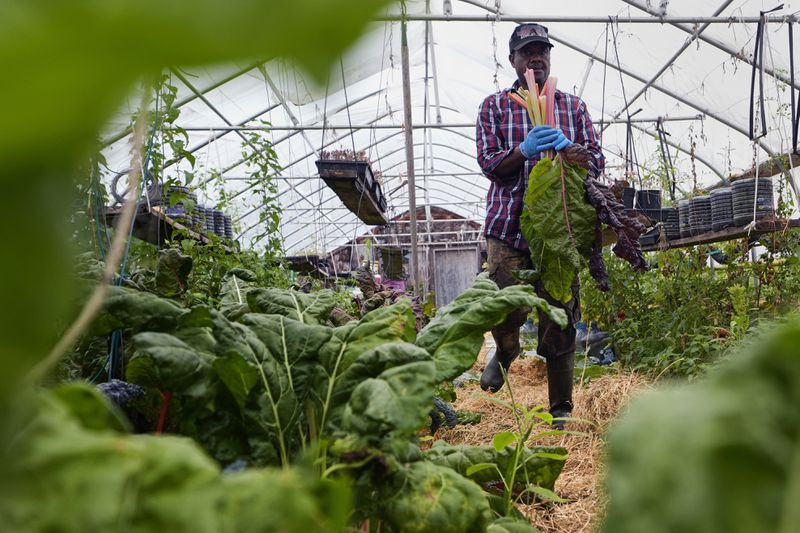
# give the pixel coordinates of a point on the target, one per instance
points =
(542, 138)
(576, 154)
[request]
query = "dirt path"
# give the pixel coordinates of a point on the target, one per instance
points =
(581, 480)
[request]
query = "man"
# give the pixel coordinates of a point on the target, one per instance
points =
(508, 148)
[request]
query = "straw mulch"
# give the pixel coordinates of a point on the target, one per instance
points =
(580, 482)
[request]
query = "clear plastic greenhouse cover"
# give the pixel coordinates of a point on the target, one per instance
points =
(604, 51)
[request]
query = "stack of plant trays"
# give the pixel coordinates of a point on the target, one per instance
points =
(671, 220)
(700, 215)
(721, 208)
(648, 201)
(684, 224)
(228, 226)
(219, 222)
(745, 198)
(208, 226)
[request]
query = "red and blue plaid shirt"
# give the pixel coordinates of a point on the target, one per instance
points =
(502, 125)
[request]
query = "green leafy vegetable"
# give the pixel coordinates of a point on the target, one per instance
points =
(510, 525)
(311, 308)
(70, 475)
(543, 464)
(721, 454)
(142, 311)
(454, 337)
(172, 274)
(558, 224)
(426, 497)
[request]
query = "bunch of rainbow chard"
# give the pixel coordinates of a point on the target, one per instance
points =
(560, 196)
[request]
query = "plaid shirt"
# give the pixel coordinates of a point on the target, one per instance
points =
(502, 125)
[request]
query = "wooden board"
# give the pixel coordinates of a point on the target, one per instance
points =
(728, 234)
(454, 271)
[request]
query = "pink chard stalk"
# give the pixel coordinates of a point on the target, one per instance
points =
(541, 106)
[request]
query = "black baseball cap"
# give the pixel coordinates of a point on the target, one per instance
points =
(528, 33)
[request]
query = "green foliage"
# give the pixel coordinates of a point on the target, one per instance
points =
(428, 497)
(268, 381)
(519, 471)
(74, 469)
(541, 465)
(558, 224)
(79, 62)
(680, 316)
(262, 168)
(718, 455)
(458, 327)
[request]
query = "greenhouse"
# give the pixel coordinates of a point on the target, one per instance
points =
(403, 266)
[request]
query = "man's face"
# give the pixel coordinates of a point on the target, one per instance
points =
(534, 56)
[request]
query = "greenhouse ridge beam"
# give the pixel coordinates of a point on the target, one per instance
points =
(738, 54)
(595, 20)
(180, 103)
(211, 106)
(299, 159)
(437, 125)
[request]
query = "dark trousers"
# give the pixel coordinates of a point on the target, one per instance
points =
(554, 342)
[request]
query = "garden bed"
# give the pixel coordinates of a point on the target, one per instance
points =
(599, 402)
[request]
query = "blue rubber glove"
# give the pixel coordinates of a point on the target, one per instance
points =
(543, 138)
(562, 142)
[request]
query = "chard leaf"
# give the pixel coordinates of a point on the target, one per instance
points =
(199, 316)
(510, 525)
(311, 308)
(454, 337)
(738, 432)
(238, 376)
(236, 284)
(282, 501)
(136, 310)
(395, 404)
(198, 338)
(423, 497)
(541, 471)
(348, 343)
(172, 273)
(372, 363)
(91, 408)
(560, 236)
(146, 482)
(166, 362)
(286, 372)
(292, 345)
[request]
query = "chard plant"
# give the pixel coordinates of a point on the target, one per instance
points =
(518, 475)
(262, 379)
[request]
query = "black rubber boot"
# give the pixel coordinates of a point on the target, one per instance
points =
(506, 338)
(559, 386)
(492, 379)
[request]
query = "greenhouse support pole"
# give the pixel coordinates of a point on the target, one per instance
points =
(412, 192)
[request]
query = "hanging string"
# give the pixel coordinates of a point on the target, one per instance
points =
(630, 148)
(355, 154)
(669, 170)
(795, 118)
(758, 65)
(603, 104)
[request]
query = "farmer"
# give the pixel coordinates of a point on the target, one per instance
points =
(508, 148)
